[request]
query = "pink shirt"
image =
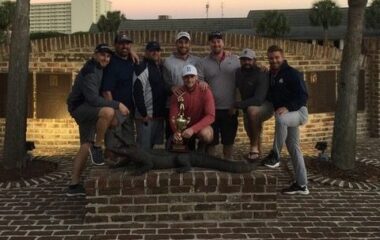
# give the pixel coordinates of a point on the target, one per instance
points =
(199, 106)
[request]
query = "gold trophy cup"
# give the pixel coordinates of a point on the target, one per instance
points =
(181, 123)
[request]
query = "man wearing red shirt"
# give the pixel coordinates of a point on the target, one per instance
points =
(199, 107)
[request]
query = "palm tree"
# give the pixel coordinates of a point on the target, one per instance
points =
(372, 15)
(344, 138)
(110, 22)
(325, 13)
(15, 126)
(273, 24)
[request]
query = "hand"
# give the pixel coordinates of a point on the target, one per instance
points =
(188, 133)
(123, 109)
(135, 58)
(282, 110)
(203, 85)
(177, 137)
(177, 90)
(263, 68)
(231, 111)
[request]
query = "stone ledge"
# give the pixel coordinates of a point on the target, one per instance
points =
(114, 195)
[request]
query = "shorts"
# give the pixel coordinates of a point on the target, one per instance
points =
(265, 112)
(86, 117)
(225, 126)
(149, 133)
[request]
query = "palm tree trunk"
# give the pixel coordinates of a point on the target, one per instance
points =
(15, 128)
(344, 138)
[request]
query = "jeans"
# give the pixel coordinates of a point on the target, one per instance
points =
(287, 131)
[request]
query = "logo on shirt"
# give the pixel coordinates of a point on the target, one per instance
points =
(281, 81)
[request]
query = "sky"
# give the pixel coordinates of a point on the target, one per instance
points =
(150, 9)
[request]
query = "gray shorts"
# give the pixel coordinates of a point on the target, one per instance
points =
(265, 112)
(149, 133)
(86, 117)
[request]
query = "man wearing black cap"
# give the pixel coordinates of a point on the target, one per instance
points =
(150, 97)
(117, 85)
(93, 114)
(218, 70)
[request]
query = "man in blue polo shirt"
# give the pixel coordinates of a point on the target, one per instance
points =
(118, 85)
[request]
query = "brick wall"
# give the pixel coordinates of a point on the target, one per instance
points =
(372, 49)
(114, 196)
(67, 54)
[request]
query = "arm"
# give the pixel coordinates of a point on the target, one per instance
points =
(209, 110)
(90, 90)
(260, 94)
(299, 92)
(138, 95)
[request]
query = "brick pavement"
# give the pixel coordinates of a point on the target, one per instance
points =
(43, 212)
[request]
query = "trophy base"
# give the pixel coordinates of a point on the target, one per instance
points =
(179, 148)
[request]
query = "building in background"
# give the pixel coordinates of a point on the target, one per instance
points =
(300, 26)
(67, 17)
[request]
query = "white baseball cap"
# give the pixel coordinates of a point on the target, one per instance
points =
(248, 53)
(189, 70)
(183, 34)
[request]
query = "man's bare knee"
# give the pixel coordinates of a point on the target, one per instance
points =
(206, 135)
(253, 112)
(107, 113)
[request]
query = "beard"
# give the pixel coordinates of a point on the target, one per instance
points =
(247, 66)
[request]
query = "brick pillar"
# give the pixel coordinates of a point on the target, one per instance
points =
(374, 92)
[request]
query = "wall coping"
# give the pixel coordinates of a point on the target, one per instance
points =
(198, 38)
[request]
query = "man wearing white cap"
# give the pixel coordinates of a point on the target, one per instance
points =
(199, 107)
(253, 85)
(173, 66)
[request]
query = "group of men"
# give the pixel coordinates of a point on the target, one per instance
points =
(115, 93)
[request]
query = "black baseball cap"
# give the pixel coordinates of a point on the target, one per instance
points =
(103, 47)
(122, 37)
(213, 35)
(153, 46)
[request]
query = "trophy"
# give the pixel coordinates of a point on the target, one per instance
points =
(181, 123)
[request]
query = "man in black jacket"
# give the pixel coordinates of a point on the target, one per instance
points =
(93, 114)
(150, 98)
(253, 85)
(288, 94)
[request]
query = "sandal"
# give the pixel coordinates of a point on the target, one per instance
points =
(253, 156)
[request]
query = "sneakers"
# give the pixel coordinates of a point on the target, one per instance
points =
(296, 189)
(271, 161)
(75, 190)
(96, 155)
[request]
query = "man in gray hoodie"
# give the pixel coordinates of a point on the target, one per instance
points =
(93, 114)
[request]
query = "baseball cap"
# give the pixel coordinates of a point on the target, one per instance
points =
(152, 46)
(189, 70)
(103, 47)
(183, 35)
(122, 37)
(248, 53)
(213, 35)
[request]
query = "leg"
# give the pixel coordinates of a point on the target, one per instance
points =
(293, 146)
(79, 163)
(290, 119)
(211, 149)
(206, 135)
(106, 116)
(253, 127)
(143, 136)
(229, 125)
